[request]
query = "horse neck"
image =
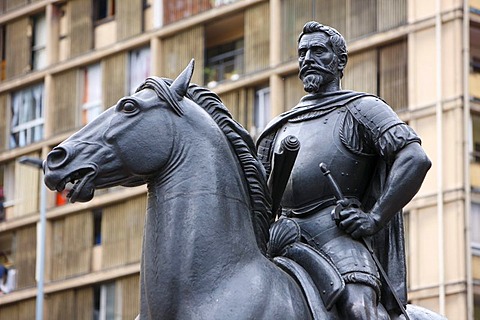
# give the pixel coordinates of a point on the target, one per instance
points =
(198, 212)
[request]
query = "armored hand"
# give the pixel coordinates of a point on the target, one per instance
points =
(347, 213)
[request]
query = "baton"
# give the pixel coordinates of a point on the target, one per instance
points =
(345, 202)
(283, 162)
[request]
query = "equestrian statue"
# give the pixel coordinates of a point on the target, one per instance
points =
(213, 248)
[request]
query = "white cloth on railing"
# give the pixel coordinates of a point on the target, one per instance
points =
(11, 282)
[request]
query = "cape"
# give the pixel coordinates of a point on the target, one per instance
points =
(388, 243)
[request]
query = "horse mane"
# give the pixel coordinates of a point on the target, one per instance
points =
(245, 150)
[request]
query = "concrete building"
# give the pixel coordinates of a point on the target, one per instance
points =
(63, 62)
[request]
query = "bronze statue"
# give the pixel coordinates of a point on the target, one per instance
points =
(377, 161)
(210, 250)
(208, 213)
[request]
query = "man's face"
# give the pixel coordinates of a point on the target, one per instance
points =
(317, 60)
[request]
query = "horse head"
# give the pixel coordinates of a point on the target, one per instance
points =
(125, 145)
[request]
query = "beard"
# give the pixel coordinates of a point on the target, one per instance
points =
(312, 82)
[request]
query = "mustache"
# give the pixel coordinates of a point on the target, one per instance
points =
(315, 67)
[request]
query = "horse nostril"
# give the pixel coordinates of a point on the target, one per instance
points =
(57, 158)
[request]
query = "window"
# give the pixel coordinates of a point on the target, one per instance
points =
(261, 110)
(475, 65)
(174, 10)
(2, 193)
(39, 42)
(364, 18)
(219, 3)
(92, 104)
(476, 138)
(103, 9)
(7, 176)
(475, 225)
(27, 116)
(6, 245)
(97, 226)
(3, 65)
(2, 210)
(476, 151)
(7, 272)
(382, 71)
(104, 302)
(138, 67)
(475, 48)
(476, 303)
(224, 53)
(393, 75)
(292, 91)
(23, 252)
(224, 62)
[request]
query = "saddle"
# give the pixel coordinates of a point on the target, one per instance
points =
(318, 278)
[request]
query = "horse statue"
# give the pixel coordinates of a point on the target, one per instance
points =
(208, 218)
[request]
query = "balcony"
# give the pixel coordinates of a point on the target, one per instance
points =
(174, 10)
(227, 65)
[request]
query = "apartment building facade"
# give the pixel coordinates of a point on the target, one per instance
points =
(65, 61)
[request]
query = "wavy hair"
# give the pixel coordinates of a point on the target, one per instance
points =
(338, 42)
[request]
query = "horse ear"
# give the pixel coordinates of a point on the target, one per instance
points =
(179, 87)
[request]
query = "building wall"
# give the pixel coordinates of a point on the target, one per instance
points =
(410, 53)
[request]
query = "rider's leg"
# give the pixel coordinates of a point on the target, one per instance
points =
(359, 301)
(383, 313)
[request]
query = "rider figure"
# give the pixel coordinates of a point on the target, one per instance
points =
(374, 157)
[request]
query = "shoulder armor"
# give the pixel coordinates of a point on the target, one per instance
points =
(374, 113)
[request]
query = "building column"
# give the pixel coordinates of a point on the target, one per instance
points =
(52, 34)
(155, 56)
(276, 84)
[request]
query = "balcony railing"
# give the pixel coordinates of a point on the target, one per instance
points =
(225, 66)
(174, 10)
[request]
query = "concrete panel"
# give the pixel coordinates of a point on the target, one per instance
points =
(96, 258)
(451, 4)
(476, 267)
(148, 22)
(474, 4)
(456, 306)
(475, 175)
(423, 245)
(422, 67)
(452, 59)
(474, 84)
(105, 34)
(419, 10)
(454, 242)
(452, 141)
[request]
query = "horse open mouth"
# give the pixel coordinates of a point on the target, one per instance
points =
(83, 188)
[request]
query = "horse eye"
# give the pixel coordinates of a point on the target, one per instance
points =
(129, 107)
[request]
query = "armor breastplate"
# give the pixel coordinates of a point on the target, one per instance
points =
(307, 189)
